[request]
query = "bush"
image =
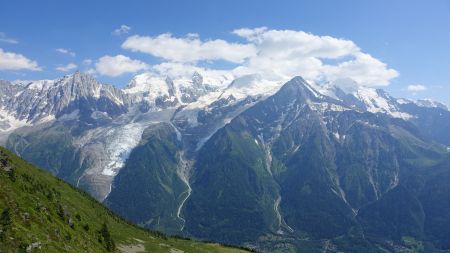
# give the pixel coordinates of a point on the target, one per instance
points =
(5, 222)
(106, 238)
(5, 218)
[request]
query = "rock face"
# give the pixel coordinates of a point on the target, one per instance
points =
(276, 167)
(37, 100)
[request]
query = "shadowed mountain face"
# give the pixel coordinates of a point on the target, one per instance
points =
(293, 171)
(305, 169)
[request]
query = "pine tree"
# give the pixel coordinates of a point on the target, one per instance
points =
(5, 222)
(107, 239)
(5, 218)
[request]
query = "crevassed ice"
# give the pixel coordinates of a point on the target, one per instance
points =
(122, 141)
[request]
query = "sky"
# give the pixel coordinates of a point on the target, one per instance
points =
(401, 46)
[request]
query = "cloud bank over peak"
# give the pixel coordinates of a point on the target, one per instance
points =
(189, 48)
(287, 53)
(277, 55)
(118, 65)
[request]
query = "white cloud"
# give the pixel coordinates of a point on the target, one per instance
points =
(87, 61)
(67, 68)
(189, 48)
(91, 71)
(13, 61)
(287, 53)
(277, 55)
(6, 39)
(123, 29)
(65, 51)
(364, 69)
(250, 33)
(118, 65)
(416, 88)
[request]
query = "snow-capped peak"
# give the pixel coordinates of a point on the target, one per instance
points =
(426, 102)
(42, 100)
(149, 87)
(362, 97)
(403, 101)
(40, 84)
(251, 85)
(197, 79)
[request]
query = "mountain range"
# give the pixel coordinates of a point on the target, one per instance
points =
(278, 167)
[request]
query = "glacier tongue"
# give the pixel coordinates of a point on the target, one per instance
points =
(104, 152)
(121, 141)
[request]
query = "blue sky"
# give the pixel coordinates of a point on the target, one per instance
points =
(410, 37)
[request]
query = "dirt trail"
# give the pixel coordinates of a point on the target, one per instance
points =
(136, 248)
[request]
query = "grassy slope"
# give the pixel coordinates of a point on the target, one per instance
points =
(42, 207)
